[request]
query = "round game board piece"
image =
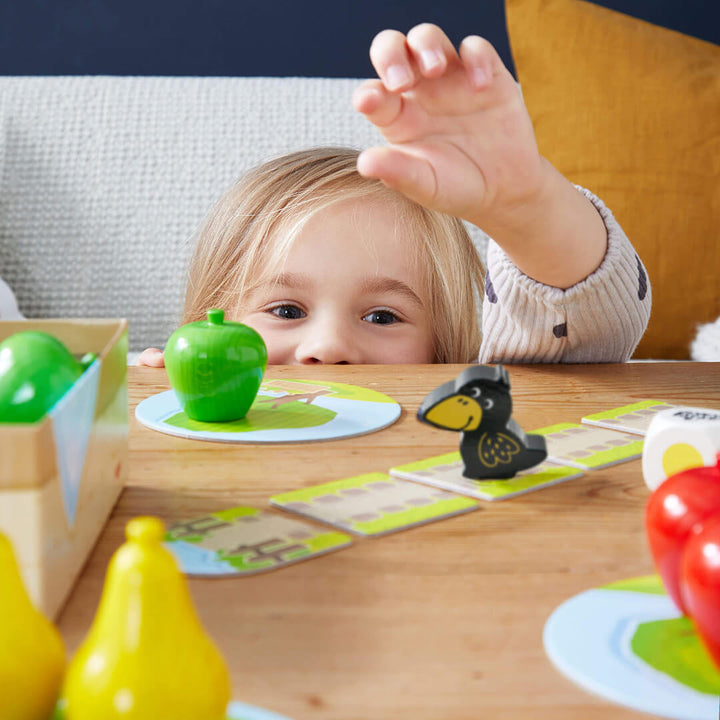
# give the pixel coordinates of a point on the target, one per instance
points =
(285, 410)
(628, 643)
(243, 711)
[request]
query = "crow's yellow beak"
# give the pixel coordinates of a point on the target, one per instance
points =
(457, 412)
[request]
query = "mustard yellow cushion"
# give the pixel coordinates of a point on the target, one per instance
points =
(632, 112)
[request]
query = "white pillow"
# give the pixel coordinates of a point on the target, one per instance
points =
(8, 303)
(706, 345)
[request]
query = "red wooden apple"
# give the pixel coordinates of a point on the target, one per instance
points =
(700, 583)
(675, 512)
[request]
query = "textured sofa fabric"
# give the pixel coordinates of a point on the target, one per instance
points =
(106, 179)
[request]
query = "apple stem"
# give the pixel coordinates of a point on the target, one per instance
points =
(215, 316)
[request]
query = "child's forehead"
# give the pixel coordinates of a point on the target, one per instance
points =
(375, 226)
(376, 223)
(385, 209)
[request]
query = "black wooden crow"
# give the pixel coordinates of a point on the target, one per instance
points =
(478, 405)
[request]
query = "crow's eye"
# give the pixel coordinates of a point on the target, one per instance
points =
(487, 403)
(474, 392)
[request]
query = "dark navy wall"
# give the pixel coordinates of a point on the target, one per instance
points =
(327, 38)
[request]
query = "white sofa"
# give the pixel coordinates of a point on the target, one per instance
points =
(106, 179)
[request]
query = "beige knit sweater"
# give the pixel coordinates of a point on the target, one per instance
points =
(601, 319)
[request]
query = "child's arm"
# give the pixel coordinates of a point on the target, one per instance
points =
(599, 319)
(461, 141)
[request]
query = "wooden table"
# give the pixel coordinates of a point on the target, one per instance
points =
(440, 622)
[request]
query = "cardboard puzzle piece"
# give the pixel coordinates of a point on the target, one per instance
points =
(245, 541)
(446, 471)
(373, 504)
(635, 418)
(588, 447)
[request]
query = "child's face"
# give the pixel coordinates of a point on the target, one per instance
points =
(348, 292)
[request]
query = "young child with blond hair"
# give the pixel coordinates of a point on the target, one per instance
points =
(335, 256)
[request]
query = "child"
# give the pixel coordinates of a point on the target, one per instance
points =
(344, 259)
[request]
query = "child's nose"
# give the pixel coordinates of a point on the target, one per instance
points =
(328, 344)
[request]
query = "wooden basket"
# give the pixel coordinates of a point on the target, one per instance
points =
(51, 548)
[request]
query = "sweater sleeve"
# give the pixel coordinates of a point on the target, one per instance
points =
(600, 319)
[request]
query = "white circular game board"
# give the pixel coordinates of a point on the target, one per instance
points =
(235, 711)
(628, 643)
(241, 711)
(284, 411)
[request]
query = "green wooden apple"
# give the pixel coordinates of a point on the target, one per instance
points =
(215, 367)
(36, 370)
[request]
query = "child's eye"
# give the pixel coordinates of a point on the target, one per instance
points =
(381, 317)
(288, 312)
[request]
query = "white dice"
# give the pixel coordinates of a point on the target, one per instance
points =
(677, 439)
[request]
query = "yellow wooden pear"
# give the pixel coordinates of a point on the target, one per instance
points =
(32, 655)
(146, 656)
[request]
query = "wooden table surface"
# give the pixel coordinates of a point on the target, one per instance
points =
(439, 622)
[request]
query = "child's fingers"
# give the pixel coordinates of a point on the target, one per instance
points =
(481, 61)
(409, 174)
(431, 49)
(152, 357)
(377, 104)
(391, 59)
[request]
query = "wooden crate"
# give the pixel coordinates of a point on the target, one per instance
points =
(50, 548)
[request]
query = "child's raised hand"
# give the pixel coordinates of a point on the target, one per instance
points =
(152, 357)
(460, 138)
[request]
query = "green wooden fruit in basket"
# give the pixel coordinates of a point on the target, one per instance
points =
(215, 367)
(36, 370)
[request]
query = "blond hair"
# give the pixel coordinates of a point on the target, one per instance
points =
(250, 230)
